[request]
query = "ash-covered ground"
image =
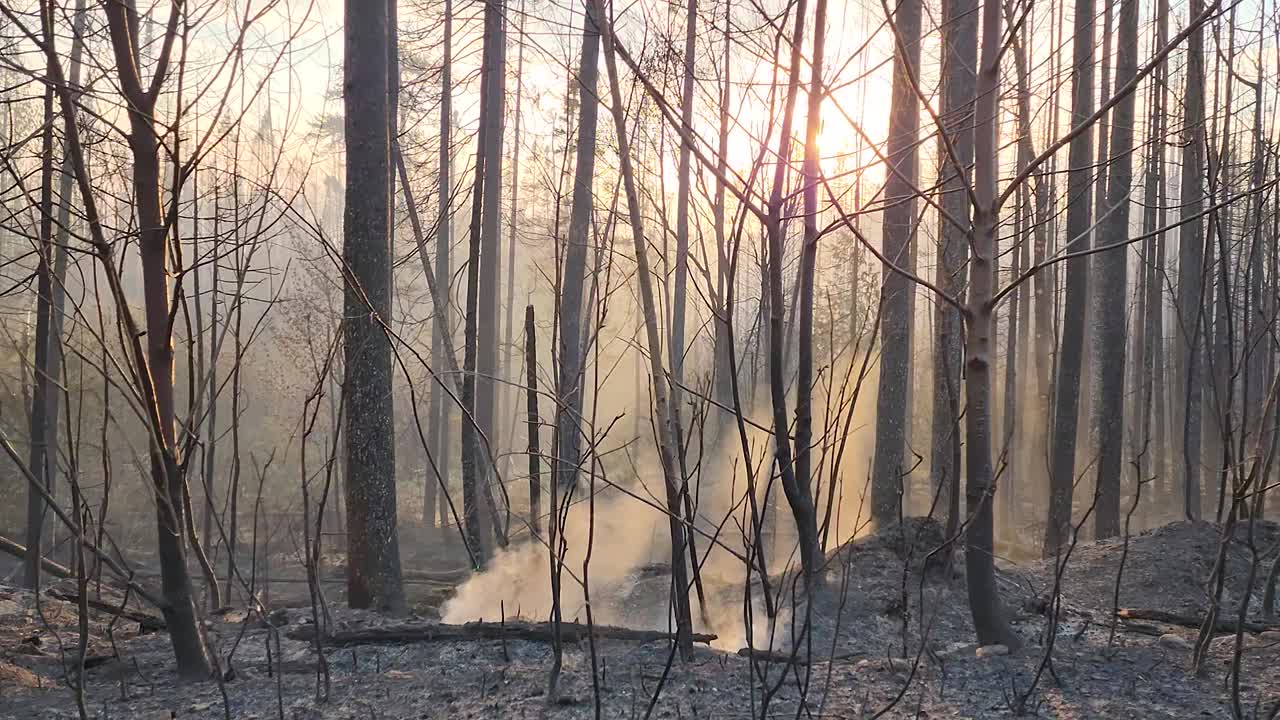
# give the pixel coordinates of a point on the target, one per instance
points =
(889, 636)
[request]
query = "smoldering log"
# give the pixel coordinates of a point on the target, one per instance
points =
(786, 658)
(405, 633)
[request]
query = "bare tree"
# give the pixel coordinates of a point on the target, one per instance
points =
(1149, 349)
(667, 438)
(684, 177)
(808, 263)
(989, 620)
(796, 487)
(152, 364)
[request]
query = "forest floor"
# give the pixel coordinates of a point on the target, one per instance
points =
(863, 661)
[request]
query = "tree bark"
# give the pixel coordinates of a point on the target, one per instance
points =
(486, 367)
(373, 548)
(1190, 292)
(531, 403)
(892, 413)
(569, 384)
(959, 63)
(439, 410)
(42, 457)
(1071, 348)
(989, 619)
(1111, 288)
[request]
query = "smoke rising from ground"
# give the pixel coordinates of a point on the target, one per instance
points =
(629, 543)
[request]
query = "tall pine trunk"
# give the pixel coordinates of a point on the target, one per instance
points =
(1071, 348)
(508, 344)
(51, 302)
(1149, 429)
(489, 282)
(959, 78)
(569, 390)
(373, 549)
(1110, 292)
(1189, 320)
(439, 411)
(892, 413)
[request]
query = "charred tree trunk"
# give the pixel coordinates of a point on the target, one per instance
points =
(569, 383)
(509, 346)
(439, 410)
(1071, 348)
(373, 561)
(51, 292)
(486, 367)
(722, 388)
(959, 78)
(892, 414)
(1040, 356)
(808, 262)
(679, 300)
(1190, 293)
(1148, 432)
(531, 402)
(1111, 291)
(42, 456)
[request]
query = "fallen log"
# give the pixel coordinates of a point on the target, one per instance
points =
(405, 633)
(784, 658)
(19, 551)
(74, 526)
(147, 623)
(1221, 625)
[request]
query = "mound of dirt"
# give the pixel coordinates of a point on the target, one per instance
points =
(1167, 569)
(881, 593)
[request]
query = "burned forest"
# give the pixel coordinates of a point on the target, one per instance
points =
(407, 359)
